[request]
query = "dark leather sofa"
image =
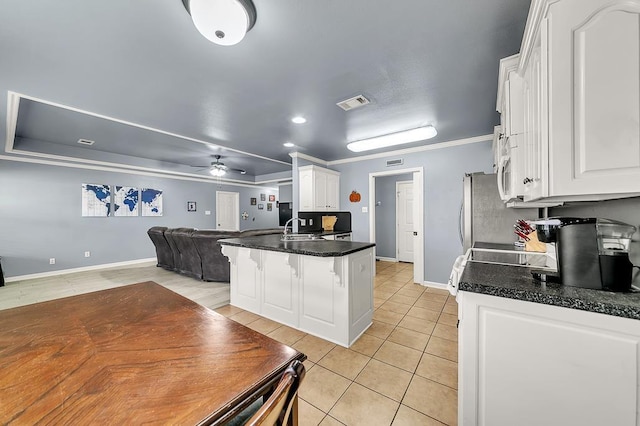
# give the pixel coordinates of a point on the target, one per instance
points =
(196, 253)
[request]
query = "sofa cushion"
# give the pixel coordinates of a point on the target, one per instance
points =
(164, 255)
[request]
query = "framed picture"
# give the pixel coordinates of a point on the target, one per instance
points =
(260, 206)
(254, 201)
(269, 207)
(272, 197)
(263, 197)
(191, 206)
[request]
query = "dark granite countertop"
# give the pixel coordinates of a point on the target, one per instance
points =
(321, 248)
(516, 282)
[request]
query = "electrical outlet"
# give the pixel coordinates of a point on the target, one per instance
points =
(207, 212)
(52, 261)
(365, 210)
(303, 222)
(87, 254)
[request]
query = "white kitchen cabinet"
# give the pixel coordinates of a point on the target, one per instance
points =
(580, 60)
(319, 189)
(524, 363)
(329, 297)
(510, 103)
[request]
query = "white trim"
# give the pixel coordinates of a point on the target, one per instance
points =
(129, 123)
(430, 147)
(13, 103)
(151, 260)
(434, 285)
(418, 197)
(537, 11)
(276, 180)
(309, 158)
(285, 183)
(387, 259)
(133, 172)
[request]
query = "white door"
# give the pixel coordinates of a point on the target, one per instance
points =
(404, 221)
(227, 211)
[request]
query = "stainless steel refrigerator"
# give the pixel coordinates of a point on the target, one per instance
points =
(484, 216)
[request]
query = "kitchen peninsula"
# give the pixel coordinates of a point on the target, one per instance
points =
(324, 288)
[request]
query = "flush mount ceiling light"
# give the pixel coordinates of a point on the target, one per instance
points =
(217, 172)
(299, 119)
(289, 144)
(413, 135)
(223, 22)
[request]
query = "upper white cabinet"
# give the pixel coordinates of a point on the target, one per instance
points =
(580, 64)
(319, 189)
(508, 138)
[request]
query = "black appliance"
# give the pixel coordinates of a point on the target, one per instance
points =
(284, 213)
(592, 252)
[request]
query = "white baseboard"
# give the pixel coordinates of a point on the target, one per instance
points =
(387, 259)
(151, 260)
(434, 285)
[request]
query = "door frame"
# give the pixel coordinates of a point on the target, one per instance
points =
(397, 217)
(418, 214)
(236, 208)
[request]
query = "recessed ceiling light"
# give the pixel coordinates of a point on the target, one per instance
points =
(289, 144)
(299, 119)
(413, 135)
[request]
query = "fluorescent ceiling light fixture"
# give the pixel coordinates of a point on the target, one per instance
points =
(223, 22)
(299, 119)
(217, 172)
(413, 135)
(289, 144)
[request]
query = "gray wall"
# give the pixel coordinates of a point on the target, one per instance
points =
(40, 216)
(286, 192)
(444, 170)
(386, 201)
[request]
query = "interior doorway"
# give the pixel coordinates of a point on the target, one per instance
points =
(227, 211)
(404, 221)
(417, 207)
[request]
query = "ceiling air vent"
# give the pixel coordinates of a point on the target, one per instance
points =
(85, 142)
(353, 103)
(397, 162)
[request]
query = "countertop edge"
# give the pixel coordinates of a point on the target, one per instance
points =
(297, 250)
(553, 300)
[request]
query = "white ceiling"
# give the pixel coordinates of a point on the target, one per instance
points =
(420, 62)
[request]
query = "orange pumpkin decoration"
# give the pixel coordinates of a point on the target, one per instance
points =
(355, 197)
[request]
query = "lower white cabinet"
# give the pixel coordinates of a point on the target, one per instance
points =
(329, 297)
(524, 363)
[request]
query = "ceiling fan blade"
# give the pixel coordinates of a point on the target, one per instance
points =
(241, 171)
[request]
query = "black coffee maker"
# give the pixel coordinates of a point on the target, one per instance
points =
(591, 252)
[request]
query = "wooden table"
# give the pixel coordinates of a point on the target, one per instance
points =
(129, 355)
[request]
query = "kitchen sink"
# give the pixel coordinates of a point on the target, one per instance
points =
(302, 237)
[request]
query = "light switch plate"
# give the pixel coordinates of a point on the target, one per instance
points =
(207, 212)
(365, 210)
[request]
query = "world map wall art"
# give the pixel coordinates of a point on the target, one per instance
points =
(98, 200)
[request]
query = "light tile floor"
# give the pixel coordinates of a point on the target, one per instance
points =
(402, 371)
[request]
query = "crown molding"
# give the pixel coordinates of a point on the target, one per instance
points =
(537, 11)
(308, 158)
(186, 177)
(13, 103)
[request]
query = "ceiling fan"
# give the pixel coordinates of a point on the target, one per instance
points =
(218, 169)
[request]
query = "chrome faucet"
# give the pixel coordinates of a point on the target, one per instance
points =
(288, 222)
